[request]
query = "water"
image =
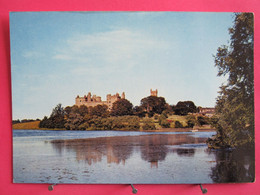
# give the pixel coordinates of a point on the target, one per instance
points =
(124, 157)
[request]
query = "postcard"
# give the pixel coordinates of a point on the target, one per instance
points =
(132, 97)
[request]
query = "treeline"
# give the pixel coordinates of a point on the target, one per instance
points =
(92, 118)
(123, 116)
(24, 121)
(191, 121)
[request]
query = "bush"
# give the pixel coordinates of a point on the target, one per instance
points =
(190, 123)
(156, 117)
(164, 113)
(165, 124)
(203, 120)
(148, 125)
(178, 124)
(115, 123)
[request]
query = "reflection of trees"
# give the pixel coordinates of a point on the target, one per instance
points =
(234, 166)
(153, 148)
(117, 150)
(122, 152)
(92, 150)
(185, 151)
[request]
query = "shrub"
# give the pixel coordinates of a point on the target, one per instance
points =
(178, 124)
(148, 125)
(203, 120)
(165, 124)
(190, 123)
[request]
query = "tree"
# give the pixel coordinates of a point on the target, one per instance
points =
(56, 119)
(235, 104)
(46, 123)
(74, 121)
(191, 121)
(139, 111)
(57, 116)
(122, 107)
(83, 110)
(203, 120)
(178, 124)
(163, 122)
(153, 104)
(57, 111)
(99, 110)
(183, 108)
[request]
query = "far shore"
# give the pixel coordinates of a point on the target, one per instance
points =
(156, 130)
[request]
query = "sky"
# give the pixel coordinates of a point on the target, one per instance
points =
(56, 56)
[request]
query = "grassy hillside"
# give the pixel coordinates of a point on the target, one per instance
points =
(182, 119)
(27, 125)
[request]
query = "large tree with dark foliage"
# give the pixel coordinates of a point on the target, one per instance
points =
(183, 108)
(122, 107)
(235, 104)
(153, 104)
(139, 111)
(56, 119)
(99, 110)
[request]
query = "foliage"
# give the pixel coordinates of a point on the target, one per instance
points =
(129, 122)
(46, 123)
(15, 121)
(183, 108)
(115, 123)
(83, 110)
(178, 124)
(202, 120)
(139, 111)
(234, 166)
(74, 121)
(99, 110)
(24, 121)
(191, 121)
(148, 124)
(67, 110)
(164, 113)
(153, 104)
(122, 107)
(235, 104)
(163, 122)
(156, 117)
(56, 119)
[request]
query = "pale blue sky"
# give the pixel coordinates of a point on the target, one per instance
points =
(56, 56)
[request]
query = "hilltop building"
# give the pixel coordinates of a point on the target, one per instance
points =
(154, 93)
(209, 112)
(94, 100)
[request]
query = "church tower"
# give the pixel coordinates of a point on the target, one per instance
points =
(123, 95)
(154, 93)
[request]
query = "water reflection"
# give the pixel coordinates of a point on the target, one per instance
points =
(153, 148)
(233, 166)
(175, 158)
(185, 151)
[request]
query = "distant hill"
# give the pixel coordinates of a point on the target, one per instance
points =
(27, 125)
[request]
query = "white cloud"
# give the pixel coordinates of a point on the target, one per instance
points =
(116, 50)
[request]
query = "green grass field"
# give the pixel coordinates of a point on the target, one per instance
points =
(182, 119)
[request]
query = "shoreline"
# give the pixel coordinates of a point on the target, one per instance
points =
(156, 130)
